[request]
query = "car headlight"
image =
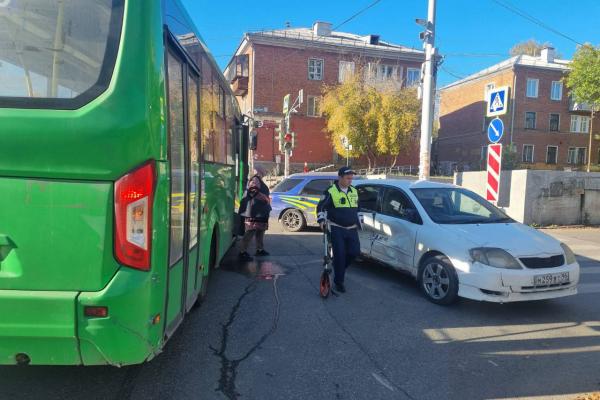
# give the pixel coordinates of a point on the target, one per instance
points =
(569, 255)
(494, 257)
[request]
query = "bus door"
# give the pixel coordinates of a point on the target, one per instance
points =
(183, 102)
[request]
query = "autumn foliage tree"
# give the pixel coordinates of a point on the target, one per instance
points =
(377, 119)
(583, 82)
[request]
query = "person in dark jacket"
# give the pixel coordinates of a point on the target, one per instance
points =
(339, 208)
(255, 207)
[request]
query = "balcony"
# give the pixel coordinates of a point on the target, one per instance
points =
(579, 107)
(239, 85)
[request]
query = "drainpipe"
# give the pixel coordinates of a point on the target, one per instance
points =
(514, 105)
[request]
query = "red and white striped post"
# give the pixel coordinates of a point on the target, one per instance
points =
(494, 166)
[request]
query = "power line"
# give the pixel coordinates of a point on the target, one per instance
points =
(533, 19)
(446, 70)
(474, 55)
(357, 14)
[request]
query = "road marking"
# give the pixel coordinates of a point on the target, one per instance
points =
(515, 332)
(586, 349)
(383, 381)
(587, 288)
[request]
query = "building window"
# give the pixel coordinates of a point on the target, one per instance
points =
(413, 76)
(346, 70)
(554, 122)
(315, 69)
(576, 155)
(527, 153)
(556, 91)
(551, 154)
(314, 106)
(532, 87)
(580, 124)
(387, 72)
(529, 120)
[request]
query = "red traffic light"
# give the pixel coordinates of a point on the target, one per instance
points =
(288, 137)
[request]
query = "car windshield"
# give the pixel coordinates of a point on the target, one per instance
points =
(286, 185)
(458, 206)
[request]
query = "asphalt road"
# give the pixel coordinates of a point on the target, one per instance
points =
(264, 333)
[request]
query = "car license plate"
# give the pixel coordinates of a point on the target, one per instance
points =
(550, 279)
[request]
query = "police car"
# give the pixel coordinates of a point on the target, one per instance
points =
(294, 200)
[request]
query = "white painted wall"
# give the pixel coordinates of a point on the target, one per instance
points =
(543, 197)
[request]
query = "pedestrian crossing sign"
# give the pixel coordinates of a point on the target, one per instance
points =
(497, 101)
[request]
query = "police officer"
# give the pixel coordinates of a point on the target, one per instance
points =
(340, 209)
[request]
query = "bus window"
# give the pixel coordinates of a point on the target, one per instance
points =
(207, 113)
(177, 157)
(194, 158)
(85, 34)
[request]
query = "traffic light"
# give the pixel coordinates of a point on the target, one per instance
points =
(253, 140)
(288, 141)
(279, 132)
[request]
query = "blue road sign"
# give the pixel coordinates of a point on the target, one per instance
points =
(495, 130)
(497, 101)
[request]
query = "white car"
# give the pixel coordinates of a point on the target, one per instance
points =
(455, 243)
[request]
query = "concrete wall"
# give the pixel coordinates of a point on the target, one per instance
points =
(543, 197)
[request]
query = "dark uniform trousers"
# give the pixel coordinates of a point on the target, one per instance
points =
(346, 247)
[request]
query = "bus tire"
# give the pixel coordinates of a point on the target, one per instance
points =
(212, 258)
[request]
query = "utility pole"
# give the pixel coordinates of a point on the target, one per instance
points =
(589, 163)
(428, 88)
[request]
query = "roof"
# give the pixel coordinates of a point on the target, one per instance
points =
(407, 184)
(311, 174)
(337, 38)
(335, 41)
(522, 60)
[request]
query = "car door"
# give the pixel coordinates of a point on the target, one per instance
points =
(395, 230)
(310, 195)
(367, 208)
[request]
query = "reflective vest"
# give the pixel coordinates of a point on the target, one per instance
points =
(344, 200)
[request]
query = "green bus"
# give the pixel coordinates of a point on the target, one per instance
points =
(122, 153)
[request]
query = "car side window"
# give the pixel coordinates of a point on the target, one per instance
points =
(396, 204)
(367, 198)
(316, 187)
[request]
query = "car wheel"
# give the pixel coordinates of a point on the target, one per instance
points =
(293, 220)
(438, 280)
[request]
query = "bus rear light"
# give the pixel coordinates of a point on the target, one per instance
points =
(134, 195)
(95, 311)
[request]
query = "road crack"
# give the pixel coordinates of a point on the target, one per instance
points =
(229, 367)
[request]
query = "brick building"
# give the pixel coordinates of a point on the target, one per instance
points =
(268, 65)
(545, 128)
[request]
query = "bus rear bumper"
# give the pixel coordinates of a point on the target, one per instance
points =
(51, 328)
(38, 327)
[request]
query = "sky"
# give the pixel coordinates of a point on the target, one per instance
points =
(472, 34)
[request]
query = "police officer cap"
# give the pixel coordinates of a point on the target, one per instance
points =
(346, 171)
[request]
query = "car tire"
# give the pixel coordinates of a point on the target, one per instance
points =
(438, 280)
(293, 220)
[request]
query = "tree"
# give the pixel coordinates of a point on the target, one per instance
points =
(347, 108)
(583, 82)
(376, 119)
(398, 119)
(530, 47)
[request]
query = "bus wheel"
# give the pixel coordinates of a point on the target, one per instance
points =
(211, 266)
(293, 220)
